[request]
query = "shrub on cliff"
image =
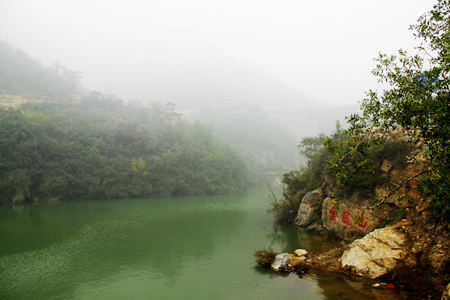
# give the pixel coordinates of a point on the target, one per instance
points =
(297, 183)
(418, 101)
(362, 178)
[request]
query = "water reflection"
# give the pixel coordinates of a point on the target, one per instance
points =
(267, 272)
(331, 285)
(173, 248)
(154, 238)
(340, 286)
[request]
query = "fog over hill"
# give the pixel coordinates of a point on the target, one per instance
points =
(264, 118)
(190, 71)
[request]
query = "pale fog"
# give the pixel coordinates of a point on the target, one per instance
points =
(304, 63)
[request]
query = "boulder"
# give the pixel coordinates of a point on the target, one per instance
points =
(310, 208)
(376, 253)
(346, 219)
(281, 262)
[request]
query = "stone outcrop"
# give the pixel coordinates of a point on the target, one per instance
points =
(346, 219)
(350, 216)
(419, 243)
(310, 208)
(376, 253)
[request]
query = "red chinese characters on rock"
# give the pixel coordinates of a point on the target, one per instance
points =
(359, 220)
(333, 213)
(345, 217)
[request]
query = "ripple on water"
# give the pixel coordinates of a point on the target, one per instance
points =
(175, 248)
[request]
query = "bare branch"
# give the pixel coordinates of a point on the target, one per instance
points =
(390, 194)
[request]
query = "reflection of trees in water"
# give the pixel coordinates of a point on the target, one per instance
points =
(143, 238)
(284, 237)
(315, 242)
(166, 245)
(291, 237)
(287, 238)
(340, 286)
(30, 227)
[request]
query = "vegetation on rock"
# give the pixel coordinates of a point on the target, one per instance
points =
(418, 104)
(397, 154)
(418, 101)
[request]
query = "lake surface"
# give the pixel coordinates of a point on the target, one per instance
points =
(170, 248)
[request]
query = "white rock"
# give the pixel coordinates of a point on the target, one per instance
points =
(376, 253)
(280, 262)
(310, 209)
(300, 252)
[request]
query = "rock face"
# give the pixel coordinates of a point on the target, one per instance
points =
(310, 208)
(346, 219)
(281, 262)
(376, 253)
(352, 215)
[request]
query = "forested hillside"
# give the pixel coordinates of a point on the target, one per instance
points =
(65, 143)
(266, 144)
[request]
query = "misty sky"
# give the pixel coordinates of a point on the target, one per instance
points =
(325, 49)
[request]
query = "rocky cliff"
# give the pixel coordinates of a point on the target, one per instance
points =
(392, 233)
(351, 215)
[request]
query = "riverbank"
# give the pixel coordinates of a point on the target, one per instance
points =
(410, 256)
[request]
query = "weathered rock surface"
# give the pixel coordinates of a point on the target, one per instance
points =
(352, 215)
(310, 208)
(376, 253)
(346, 219)
(317, 227)
(281, 262)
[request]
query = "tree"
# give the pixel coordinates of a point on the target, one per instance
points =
(418, 101)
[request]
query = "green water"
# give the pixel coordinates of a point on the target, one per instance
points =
(171, 248)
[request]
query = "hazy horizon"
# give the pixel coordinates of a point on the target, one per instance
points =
(316, 51)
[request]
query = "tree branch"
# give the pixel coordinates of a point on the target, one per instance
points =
(390, 194)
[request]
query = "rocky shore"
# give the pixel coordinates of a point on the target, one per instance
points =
(397, 239)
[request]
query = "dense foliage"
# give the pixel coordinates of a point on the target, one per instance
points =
(266, 144)
(297, 183)
(321, 153)
(418, 103)
(67, 144)
(94, 150)
(20, 74)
